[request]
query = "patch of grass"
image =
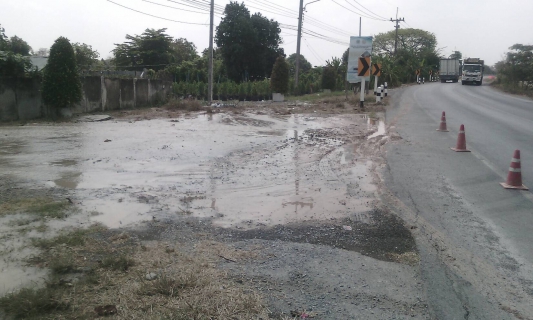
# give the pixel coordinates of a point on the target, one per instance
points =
(33, 303)
(71, 239)
(62, 264)
(21, 222)
(188, 199)
(120, 263)
(189, 285)
(42, 207)
(315, 97)
(41, 228)
(55, 210)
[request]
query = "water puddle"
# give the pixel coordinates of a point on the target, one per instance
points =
(381, 130)
(231, 168)
(68, 180)
(117, 211)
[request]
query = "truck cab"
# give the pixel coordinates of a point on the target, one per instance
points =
(472, 71)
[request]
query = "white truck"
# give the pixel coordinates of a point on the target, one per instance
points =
(472, 71)
(449, 70)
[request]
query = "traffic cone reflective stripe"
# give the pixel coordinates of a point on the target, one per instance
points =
(442, 126)
(514, 177)
(461, 141)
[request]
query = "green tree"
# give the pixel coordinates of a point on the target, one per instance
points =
(279, 80)
(19, 46)
(3, 39)
(183, 50)
(61, 83)
(517, 68)
(152, 49)
(415, 41)
(456, 55)
(416, 50)
(42, 52)
(86, 57)
(305, 65)
(249, 45)
(13, 63)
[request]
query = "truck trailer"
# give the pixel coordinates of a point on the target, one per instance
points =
(449, 70)
(473, 71)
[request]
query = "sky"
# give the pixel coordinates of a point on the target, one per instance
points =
(477, 28)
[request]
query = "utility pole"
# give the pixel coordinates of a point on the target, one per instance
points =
(210, 72)
(397, 27)
(300, 18)
(296, 72)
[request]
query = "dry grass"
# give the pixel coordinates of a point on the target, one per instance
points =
(409, 258)
(183, 104)
(187, 286)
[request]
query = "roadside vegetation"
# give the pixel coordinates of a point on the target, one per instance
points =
(515, 72)
(96, 272)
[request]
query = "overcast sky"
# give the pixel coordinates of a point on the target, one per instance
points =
(477, 28)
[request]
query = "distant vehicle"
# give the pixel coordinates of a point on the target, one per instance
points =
(449, 70)
(473, 71)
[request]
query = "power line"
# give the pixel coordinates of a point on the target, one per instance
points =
(164, 5)
(286, 12)
(195, 5)
(313, 51)
(368, 10)
(154, 16)
(357, 13)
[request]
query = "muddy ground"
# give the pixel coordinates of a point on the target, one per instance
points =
(292, 185)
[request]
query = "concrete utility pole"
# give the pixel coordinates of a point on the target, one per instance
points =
(300, 16)
(397, 27)
(296, 72)
(210, 72)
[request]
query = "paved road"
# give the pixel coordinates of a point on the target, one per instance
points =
(475, 238)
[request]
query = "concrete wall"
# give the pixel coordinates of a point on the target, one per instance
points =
(127, 93)
(141, 93)
(20, 99)
(92, 93)
(112, 86)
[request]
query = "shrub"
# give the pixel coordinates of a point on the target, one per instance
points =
(279, 80)
(61, 83)
(329, 78)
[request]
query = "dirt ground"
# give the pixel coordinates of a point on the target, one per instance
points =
(269, 210)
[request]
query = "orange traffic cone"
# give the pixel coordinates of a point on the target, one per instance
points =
(461, 141)
(514, 178)
(442, 126)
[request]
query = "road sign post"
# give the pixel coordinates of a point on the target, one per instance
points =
(363, 69)
(376, 72)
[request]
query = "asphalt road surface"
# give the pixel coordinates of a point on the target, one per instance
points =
(475, 238)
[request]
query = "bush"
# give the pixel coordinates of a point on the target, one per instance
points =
(279, 80)
(329, 78)
(61, 83)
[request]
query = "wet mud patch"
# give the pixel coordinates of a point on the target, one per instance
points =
(384, 238)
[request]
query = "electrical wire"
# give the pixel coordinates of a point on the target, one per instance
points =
(196, 5)
(370, 11)
(317, 56)
(154, 16)
(357, 13)
(163, 5)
